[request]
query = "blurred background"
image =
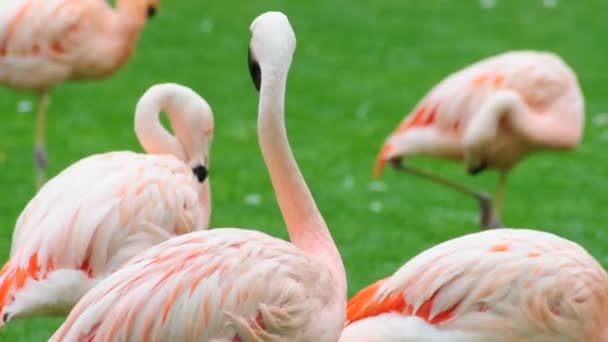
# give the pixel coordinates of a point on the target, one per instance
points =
(359, 68)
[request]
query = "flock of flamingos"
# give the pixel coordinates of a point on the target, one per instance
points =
(119, 243)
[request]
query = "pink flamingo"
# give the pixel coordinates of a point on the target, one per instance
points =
(498, 285)
(106, 208)
(232, 284)
(491, 115)
(46, 42)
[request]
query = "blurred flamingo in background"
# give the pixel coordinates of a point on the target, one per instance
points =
(106, 208)
(46, 42)
(232, 284)
(491, 115)
(500, 285)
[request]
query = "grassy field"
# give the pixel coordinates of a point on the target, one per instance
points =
(359, 68)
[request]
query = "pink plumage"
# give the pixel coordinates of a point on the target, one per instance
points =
(46, 42)
(491, 115)
(106, 208)
(232, 284)
(498, 285)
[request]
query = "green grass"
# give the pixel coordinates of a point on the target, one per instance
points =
(359, 68)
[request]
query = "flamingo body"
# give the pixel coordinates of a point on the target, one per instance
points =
(498, 285)
(447, 121)
(103, 210)
(46, 42)
(234, 283)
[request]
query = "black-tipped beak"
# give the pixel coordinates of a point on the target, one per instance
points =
(254, 70)
(200, 172)
(476, 169)
(151, 11)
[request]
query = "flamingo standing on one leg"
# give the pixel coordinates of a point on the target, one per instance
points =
(106, 208)
(232, 284)
(500, 285)
(46, 42)
(491, 115)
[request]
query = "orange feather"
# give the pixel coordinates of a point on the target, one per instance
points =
(365, 304)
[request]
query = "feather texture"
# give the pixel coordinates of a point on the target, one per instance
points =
(505, 284)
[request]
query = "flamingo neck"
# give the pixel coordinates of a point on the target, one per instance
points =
(153, 137)
(307, 228)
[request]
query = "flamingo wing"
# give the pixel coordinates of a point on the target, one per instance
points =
(227, 284)
(95, 215)
(517, 281)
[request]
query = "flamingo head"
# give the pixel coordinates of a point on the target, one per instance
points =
(273, 43)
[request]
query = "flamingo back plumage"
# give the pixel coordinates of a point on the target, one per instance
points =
(228, 284)
(507, 282)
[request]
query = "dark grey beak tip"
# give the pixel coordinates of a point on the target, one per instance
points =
(200, 172)
(477, 169)
(254, 70)
(151, 11)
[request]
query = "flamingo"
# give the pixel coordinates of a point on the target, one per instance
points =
(46, 42)
(231, 284)
(497, 285)
(491, 115)
(106, 208)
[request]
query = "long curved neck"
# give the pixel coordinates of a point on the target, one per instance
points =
(153, 137)
(306, 227)
(538, 129)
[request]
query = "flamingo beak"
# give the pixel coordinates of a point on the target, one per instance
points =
(381, 160)
(5, 317)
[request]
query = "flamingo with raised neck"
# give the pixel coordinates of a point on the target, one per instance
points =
(234, 284)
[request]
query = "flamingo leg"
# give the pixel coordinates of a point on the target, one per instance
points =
(40, 155)
(487, 218)
(499, 197)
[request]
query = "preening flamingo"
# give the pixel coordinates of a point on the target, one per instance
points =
(232, 284)
(46, 42)
(106, 208)
(499, 285)
(491, 115)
